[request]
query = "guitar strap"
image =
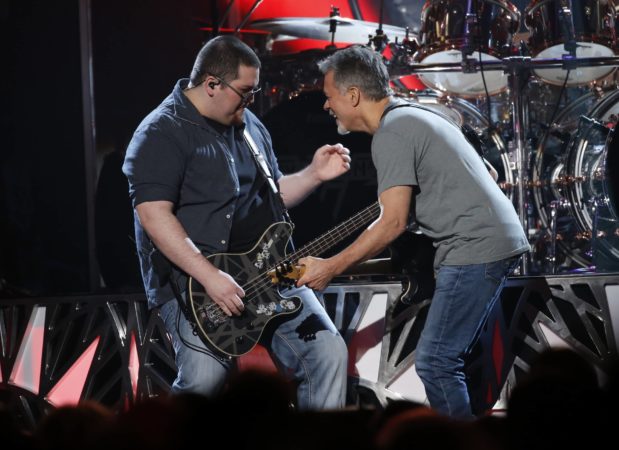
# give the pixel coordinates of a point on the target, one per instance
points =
(263, 168)
(260, 161)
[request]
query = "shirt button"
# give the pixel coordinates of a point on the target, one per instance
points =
(227, 216)
(223, 242)
(231, 160)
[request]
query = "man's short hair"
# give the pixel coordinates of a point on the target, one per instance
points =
(222, 56)
(358, 66)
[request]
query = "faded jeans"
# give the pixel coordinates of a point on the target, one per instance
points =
(307, 349)
(462, 300)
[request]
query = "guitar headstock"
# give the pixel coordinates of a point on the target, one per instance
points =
(286, 273)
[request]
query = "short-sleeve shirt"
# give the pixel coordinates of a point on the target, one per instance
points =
(177, 156)
(457, 203)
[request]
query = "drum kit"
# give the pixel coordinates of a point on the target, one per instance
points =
(544, 102)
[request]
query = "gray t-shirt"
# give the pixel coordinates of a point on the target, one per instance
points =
(457, 203)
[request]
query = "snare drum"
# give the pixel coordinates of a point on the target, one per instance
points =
(594, 33)
(443, 36)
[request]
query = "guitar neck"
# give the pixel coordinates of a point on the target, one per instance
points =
(327, 240)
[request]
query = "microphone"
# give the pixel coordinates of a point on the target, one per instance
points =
(567, 27)
(469, 30)
(470, 37)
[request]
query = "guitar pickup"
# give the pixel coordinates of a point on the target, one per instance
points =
(286, 273)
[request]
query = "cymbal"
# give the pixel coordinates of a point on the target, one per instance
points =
(347, 30)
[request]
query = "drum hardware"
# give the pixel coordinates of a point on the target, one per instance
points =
(380, 40)
(595, 203)
(248, 15)
(333, 15)
(585, 28)
(451, 30)
(567, 25)
(568, 180)
(519, 126)
(579, 174)
(551, 258)
(519, 68)
(351, 31)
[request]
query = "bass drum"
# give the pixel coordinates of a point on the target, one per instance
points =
(463, 112)
(574, 185)
(443, 35)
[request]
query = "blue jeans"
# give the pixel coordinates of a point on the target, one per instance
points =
(463, 298)
(307, 349)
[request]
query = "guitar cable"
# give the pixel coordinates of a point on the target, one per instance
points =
(204, 350)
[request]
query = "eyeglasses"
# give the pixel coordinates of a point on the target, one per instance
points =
(246, 98)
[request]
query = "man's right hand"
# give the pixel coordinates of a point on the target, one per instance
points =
(224, 291)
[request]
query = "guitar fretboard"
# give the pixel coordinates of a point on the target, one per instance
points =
(328, 239)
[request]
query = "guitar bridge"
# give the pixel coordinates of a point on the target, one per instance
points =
(212, 316)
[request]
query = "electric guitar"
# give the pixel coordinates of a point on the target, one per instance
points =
(261, 272)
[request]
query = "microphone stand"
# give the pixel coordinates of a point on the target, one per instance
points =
(380, 40)
(567, 27)
(517, 69)
(470, 36)
(224, 16)
(335, 12)
(251, 11)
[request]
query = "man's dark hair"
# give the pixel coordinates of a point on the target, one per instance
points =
(222, 56)
(358, 66)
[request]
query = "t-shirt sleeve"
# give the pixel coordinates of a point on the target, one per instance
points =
(154, 166)
(394, 160)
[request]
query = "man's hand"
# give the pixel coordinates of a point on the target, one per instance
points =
(224, 291)
(318, 272)
(330, 161)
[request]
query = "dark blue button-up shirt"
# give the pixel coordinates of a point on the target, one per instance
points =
(175, 155)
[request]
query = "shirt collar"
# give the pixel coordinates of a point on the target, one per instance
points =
(184, 109)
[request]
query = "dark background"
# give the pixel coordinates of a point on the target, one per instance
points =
(139, 49)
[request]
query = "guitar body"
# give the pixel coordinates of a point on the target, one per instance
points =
(237, 335)
(260, 272)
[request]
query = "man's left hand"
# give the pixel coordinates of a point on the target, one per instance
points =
(331, 161)
(318, 272)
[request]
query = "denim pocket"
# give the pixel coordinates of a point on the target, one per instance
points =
(498, 270)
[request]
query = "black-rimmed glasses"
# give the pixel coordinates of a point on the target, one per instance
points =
(246, 98)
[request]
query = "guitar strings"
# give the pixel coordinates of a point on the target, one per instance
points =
(259, 284)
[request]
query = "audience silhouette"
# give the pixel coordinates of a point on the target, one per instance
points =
(562, 402)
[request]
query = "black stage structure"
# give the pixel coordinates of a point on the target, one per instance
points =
(109, 348)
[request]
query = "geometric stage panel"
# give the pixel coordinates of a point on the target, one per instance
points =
(111, 349)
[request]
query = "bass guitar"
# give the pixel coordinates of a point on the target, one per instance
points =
(261, 272)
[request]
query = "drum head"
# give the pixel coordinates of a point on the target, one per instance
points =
(445, 32)
(579, 75)
(467, 85)
(592, 31)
